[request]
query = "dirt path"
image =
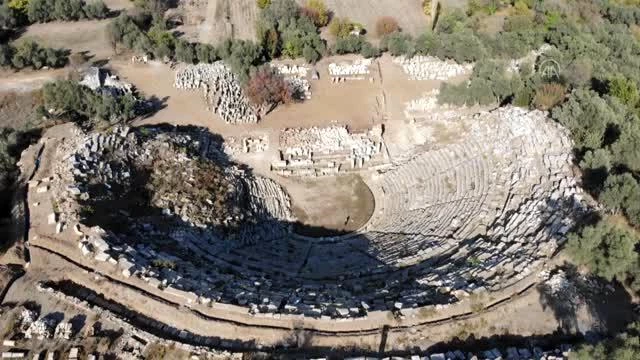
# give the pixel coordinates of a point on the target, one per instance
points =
(28, 80)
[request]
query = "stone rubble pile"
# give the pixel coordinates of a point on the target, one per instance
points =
(351, 70)
(296, 77)
(133, 343)
(327, 151)
(40, 329)
(246, 144)
(300, 71)
(63, 331)
(100, 80)
(221, 89)
(431, 68)
(510, 353)
(27, 317)
(424, 106)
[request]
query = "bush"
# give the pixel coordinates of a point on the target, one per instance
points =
(549, 95)
(369, 51)
(386, 25)
(621, 192)
(349, 45)
(185, 52)
(96, 9)
(626, 149)
(398, 44)
(267, 88)
(317, 11)
(341, 27)
(262, 4)
(206, 53)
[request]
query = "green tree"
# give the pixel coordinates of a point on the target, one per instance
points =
(262, 4)
(626, 150)
(96, 9)
(620, 191)
(206, 53)
(185, 52)
(607, 250)
(625, 346)
(398, 44)
(625, 90)
(595, 169)
(587, 116)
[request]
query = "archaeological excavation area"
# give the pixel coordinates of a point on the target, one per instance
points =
(244, 220)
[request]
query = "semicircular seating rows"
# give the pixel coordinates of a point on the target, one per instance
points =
(478, 214)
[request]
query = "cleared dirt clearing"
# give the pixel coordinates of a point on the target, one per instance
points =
(366, 12)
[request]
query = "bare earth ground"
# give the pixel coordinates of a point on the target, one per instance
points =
(228, 19)
(27, 80)
(350, 200)
(215, 20)
(78, 36)
(408, 13)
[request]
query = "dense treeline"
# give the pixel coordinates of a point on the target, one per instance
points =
(67, 98)
(16, 13)
(30, 54)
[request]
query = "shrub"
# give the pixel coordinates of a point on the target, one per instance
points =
(398, 43)
(386, 25)
(206, 53)
(369, 51)
(317, 11)
(348, 45)
(263, 3)
(624, 89)
(426, 7)
(549, 95)
(185, 52)
(267, 88)
(620, 192)
(96, 9)
(341, 27)
(626, 149)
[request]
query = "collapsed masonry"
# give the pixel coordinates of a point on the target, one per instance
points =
(297, 78)
(477, 214)
(350, 70)
(328, 151)
(101, 81)
(221, 89)
(431, 68)
(246, 144)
